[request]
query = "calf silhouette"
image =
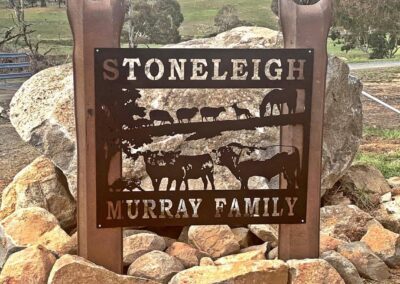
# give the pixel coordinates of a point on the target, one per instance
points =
(161, 115)
(186, 113)
(279, 98)
(212, 112)
(126, 183)
(241, 111)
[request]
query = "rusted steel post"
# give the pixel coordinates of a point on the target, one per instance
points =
(94, 23)
(307, 26)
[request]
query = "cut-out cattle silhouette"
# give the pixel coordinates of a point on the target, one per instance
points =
(160, 115)
(186, 113)
(279, 98)
(178, 168)
(212, 112)
(126, 183)
(241, 111)
(160, 166)
(286, 163)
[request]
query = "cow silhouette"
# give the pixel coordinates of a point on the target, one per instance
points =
(241, 111)
(178, 168)
(201, 166)
(285, 163)
(160, 165)
(279, 98)
(212, 112)
(186, 113)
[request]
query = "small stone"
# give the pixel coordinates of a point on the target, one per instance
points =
(71, 269)
(184, 235)
(137, 245)
(273, 254)
(386, 197)
(206, 261)
(217, 240)
(368, 264)
(258, 271)
(7, 246)
(343, 266)
(327, 243)
(241, 257)
(313, 271)
(266, 233)
(34, 225)
(346, 222)
(394, 182)
(31, 264)
(131, 232)
(388, 214)
(156, 265)
(382, 242)
(186, 254)
(265, 248)
(43, 185)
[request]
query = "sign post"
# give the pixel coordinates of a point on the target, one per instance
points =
(307, 26)
(94, 23)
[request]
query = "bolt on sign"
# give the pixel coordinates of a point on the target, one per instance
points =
(176, 186)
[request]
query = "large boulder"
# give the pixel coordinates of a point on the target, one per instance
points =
(42, 112)
(346, 222)
(313, 271)
(156, 265)
(259, 271)
(40, 184)
(186, 254)
(383, 243)
(343, 266)
(364, 182)
(139, 244)
(36, 226)
(215, 240)
(368, 264)
(31, 265)
(71, 269)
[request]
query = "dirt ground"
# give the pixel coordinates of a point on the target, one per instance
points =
(385, 85)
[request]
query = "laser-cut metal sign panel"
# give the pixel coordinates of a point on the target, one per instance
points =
(186, 184)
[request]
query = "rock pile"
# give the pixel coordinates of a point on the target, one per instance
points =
(37, 214)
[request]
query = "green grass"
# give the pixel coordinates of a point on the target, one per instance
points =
(355, 55)
(385, 134)
(52, 25)
(387, 163)
(199, 14)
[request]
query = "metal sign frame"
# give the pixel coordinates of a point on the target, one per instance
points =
(98, 23)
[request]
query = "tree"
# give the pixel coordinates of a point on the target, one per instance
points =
(372, 27)
(227, 18)
(156, 21)
(43, 3)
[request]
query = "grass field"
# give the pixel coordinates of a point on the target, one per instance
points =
(388, 161)
(52, 26)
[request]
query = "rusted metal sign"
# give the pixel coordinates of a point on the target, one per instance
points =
(170, 187)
